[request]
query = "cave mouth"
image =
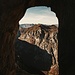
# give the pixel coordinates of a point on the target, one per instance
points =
(42, 16)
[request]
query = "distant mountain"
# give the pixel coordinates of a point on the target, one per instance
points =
(43, 36)
(30, 25)
(26, 25)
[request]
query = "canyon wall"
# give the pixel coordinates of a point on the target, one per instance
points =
(45, 37)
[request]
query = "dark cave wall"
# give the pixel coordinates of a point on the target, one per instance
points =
(67, 39)
(66, 51)
(12, 11)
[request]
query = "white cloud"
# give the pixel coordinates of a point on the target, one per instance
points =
(43, 17)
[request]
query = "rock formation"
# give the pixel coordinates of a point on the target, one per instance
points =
(44, 37)
(31, 58)
(12, 11)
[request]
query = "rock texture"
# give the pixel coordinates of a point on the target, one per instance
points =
(12, 11)
(44, 37)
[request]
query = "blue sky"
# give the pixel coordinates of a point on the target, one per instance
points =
(42, 15)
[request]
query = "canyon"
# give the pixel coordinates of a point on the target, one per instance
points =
(44, 37)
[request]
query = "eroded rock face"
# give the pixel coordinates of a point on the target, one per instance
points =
(44, 37)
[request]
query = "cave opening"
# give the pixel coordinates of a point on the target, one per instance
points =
(39, 27)
(10, 14)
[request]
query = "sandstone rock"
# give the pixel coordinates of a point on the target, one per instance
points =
(44, 37)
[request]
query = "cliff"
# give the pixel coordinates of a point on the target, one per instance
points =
(45, 37)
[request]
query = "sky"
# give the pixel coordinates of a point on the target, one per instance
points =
(42, 15)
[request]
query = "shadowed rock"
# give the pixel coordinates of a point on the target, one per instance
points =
(31, 58)
(44, 36)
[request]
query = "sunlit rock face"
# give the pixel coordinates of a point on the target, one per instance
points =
(45, 37)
